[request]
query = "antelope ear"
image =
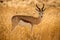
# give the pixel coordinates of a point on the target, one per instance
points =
(44, 9)
(37, 9)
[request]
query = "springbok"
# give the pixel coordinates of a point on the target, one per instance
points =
(28, 19)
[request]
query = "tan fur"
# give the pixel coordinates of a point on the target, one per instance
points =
(29, 19)
(50, 24)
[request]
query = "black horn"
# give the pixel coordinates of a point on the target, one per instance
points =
(38, 8)
(43, 8)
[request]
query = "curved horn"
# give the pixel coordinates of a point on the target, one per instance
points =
(38, 8)
(43, 8)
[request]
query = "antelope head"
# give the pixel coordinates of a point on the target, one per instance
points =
(40, 10)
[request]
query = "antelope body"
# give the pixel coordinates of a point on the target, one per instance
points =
(28, 19)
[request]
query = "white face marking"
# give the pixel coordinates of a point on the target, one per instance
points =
(41, 14)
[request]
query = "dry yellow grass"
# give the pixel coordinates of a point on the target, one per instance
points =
(50, 24)
(48, 29)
